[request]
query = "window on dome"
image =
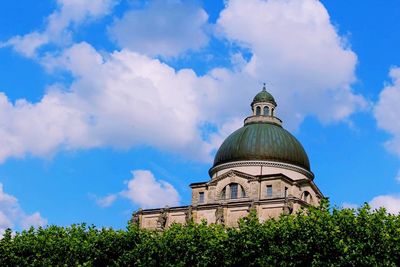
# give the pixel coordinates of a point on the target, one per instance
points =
(258, 111)
(266, 111)
(272, 112)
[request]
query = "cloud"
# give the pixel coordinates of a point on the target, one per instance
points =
(166, 28)
(70, 13)
(148, 192)
(40, 128)
(27, 44)
(106, 201)
(123, 98)
(216, 138)
(295, 48)
(390, 202)
(387, 110)
(13, 216)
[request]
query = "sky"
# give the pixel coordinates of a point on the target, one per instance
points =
(111, 105)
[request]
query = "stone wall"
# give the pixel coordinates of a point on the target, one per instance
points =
(232, 212)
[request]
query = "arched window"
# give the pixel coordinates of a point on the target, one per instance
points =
(258, 110)
(266, 111)
(233, 191)
(272, 112)
(306, 197)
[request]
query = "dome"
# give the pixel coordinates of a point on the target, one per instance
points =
(263, 96)
(262, 141)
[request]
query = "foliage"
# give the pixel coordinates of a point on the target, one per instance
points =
(319, 236)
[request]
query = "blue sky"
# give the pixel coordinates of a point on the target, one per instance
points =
(105, 101)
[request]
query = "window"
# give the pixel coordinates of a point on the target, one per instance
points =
(201, 197)
(234, 190)
(306, 196)
(286, 191)
(258, 111)
(269, 191)
(266, 111)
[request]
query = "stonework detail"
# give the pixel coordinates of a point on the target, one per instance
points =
(189, 215)
(162, 219)
(219, 215)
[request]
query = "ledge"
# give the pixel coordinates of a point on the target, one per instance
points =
(262, 119)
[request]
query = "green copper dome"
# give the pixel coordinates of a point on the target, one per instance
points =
(262, 141)
(263, 96)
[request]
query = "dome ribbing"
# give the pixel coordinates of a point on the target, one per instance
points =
(262, 141)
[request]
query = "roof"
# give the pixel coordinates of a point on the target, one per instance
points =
(262, 141)
(263, 96)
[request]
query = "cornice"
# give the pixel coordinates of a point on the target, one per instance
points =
(274, 164)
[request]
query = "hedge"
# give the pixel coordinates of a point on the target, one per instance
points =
(318, 236)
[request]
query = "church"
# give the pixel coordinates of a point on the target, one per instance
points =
(260, 167)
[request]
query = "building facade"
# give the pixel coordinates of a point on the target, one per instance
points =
(260, 166)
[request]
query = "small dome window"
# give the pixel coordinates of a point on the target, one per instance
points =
(258, 110)
(266, 111)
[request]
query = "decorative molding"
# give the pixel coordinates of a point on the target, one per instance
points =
(275, 164)
(231, 173)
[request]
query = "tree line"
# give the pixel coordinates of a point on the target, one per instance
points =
(317, 236)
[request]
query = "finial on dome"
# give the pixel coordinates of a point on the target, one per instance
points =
(264, 89)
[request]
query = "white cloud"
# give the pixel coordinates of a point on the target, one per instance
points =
(387, 110)
(13, 216)
(27, 44)
(40, 128)
(122, 99)
(295, 47)
(148, 192)
(390, 202)
(70, 13)
(106, 201)
(166, 28)
(216, 139)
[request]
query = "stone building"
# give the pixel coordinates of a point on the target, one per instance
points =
(260, 166)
